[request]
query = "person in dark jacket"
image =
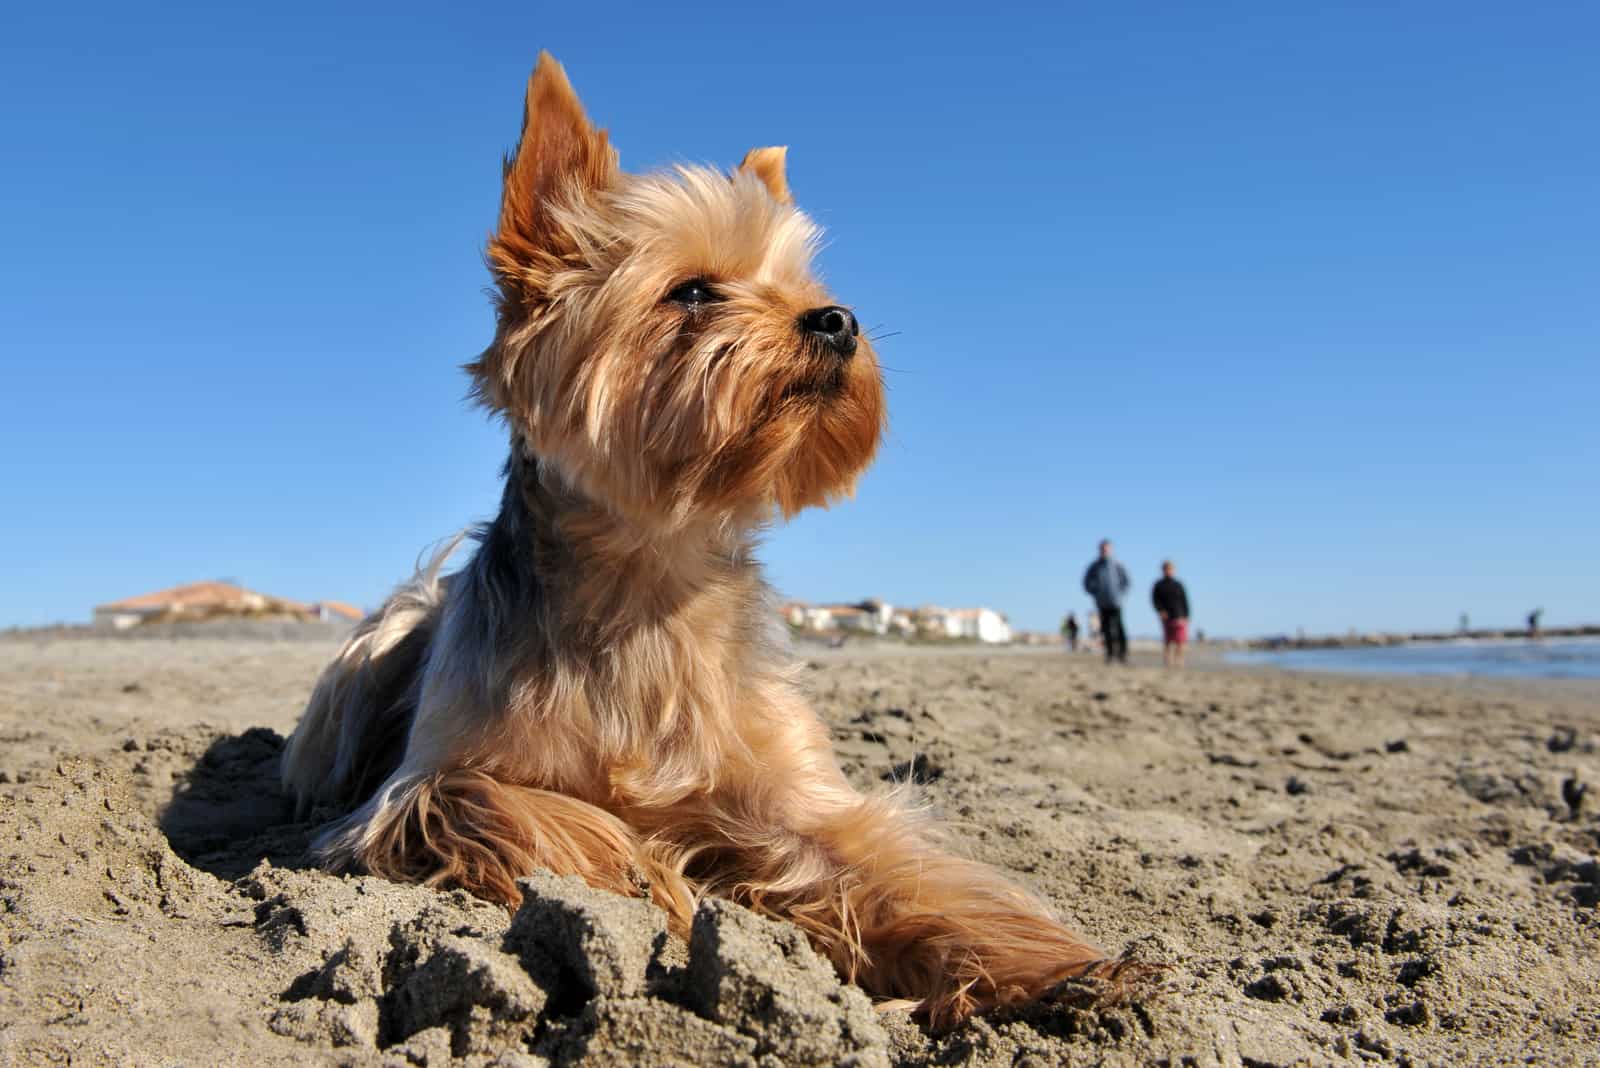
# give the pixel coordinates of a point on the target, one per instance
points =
(1107, 582)
(1069, 631)
(1172, 605)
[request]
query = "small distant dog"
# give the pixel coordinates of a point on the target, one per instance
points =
(600, 690)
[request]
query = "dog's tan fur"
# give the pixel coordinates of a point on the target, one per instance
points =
(599, 690)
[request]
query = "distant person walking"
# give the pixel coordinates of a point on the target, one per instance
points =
(1172, 605)
(1069, 631)
(1533, 622)
(1107, 582)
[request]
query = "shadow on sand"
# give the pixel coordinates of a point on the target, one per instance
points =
(228, 812)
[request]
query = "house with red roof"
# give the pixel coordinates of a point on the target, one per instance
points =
(196, 601)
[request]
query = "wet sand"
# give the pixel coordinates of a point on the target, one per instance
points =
(1336, 869)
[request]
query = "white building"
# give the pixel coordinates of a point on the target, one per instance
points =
(873, 616)
(971, 624)
(869, 617)
(981, 624)
(853, 617)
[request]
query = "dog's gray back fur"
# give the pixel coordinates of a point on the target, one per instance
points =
(353, 733)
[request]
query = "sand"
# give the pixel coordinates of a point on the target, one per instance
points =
(1335, 870)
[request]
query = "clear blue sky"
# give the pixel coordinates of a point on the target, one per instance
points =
(1302, 295)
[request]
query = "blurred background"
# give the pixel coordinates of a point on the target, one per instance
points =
(1300, 296)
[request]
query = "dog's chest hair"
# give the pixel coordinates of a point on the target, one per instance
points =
(592, 671)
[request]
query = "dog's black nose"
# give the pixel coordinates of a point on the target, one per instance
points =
(833, 326)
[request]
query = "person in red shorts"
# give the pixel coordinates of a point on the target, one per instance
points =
(1172, 605)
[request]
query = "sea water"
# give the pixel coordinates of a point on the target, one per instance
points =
(1538, 658)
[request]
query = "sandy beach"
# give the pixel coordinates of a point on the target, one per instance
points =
(1335, 869)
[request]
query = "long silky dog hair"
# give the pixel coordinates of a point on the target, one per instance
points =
(602, 689)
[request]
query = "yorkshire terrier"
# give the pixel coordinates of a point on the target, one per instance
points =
(602, 690)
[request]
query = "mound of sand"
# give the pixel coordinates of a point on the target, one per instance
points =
(1334, 869)
(151, 958)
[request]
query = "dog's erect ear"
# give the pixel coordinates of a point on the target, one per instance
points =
(560, 158)
(768, 165)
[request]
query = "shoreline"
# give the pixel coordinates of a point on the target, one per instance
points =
(1384, 639)
(1212, 659)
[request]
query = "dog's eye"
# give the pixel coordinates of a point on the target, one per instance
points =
(693, 293)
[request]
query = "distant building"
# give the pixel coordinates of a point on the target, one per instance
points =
(808, 616)
(935, 622)
(871, 616)
(338, 612)
(973, 624)
(880, 614)
(981, 624)
(875, 616)
(198, 601)
(852, 617)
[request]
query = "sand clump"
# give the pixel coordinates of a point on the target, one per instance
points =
(1335, 871)
(377, 973)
